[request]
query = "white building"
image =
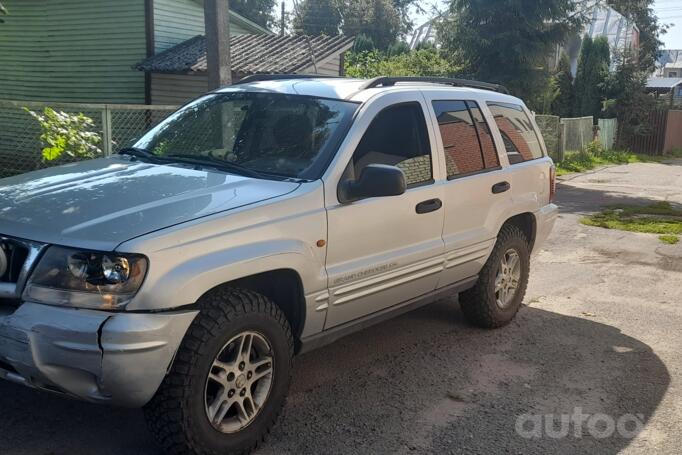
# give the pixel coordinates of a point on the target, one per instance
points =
(669, 63)
(622, 35)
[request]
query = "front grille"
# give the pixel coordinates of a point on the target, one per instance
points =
(8, 306)
(7, 367)
(13, 256)
(17, 258)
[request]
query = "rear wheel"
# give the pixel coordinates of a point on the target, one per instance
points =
(501, 286)
(229, 380)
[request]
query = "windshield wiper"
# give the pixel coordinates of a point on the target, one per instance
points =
(141, 153)
(222, 165)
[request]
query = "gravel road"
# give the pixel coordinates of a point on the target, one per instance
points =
(600, 335)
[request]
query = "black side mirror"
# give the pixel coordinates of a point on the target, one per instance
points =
(376, 180)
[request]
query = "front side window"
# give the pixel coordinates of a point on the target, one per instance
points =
(277, 135)
(396, 137)
(520, 140)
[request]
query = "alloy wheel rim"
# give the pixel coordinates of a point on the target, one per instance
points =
(239, 382)
(507, 278)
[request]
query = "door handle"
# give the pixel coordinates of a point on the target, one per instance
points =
(429, 206)
(501, 187)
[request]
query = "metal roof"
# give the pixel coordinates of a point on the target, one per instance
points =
(663, 82)
(670, 58)
(250, 54)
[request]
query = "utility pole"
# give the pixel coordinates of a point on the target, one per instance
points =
(217, 24)
(282, 24)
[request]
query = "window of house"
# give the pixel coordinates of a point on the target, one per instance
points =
(397, 137)
(467, 141)
(672, 74)
(520, 140)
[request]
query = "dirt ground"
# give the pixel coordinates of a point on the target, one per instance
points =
(599, 337)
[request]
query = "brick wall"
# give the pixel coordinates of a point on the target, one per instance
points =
(506, 126)
(462, 151)
(417, 170)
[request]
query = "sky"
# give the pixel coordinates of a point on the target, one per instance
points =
(668, 11)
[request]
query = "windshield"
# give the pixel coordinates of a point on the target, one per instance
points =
(289, 136)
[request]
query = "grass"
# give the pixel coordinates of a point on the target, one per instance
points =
(669, 239)
(594, 157)
(659, 218)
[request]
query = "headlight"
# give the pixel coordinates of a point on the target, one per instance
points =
(86, 279)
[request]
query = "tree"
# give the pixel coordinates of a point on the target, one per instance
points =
(315, 17)
(626, 97)
(424, 62)
(563, 103)
(259, 11)
(378, 19)
(363, 43)
(593, 72)
(508, 41)
(403, 9)
(629, 102)
(544, 96)
(377, 23)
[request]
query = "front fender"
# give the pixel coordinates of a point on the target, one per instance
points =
(186, 282)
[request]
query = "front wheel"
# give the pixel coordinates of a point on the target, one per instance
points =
(498, 294)
(229, 380)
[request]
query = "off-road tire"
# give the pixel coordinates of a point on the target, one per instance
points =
(177, 416)
(479, 303)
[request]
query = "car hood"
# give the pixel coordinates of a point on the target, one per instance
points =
(101, 203)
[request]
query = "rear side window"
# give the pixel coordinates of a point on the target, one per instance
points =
(466, 138)
(520, 140)
(397, 137)
(490, 157)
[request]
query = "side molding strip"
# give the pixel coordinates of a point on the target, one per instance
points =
(329, 336)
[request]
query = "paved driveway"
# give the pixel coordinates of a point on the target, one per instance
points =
(600, 335)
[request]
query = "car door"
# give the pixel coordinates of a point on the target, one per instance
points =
(477, 186)
(526, 153)
(385, 250)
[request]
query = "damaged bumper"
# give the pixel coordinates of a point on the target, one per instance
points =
(545, 220)
(114, 358)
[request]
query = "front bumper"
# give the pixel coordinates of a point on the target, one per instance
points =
(545, 219)
(114, 358)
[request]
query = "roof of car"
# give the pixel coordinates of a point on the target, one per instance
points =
(348, 88)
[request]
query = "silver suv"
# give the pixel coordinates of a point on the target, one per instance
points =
(259, 221)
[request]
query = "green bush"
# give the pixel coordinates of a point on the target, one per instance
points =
(424, 62)
(69, 134)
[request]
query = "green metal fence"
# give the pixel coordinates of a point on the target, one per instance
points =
(574, 134)
(608, 128)
(550, 126)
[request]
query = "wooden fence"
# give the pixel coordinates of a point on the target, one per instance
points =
(673, 133)
(650, 139)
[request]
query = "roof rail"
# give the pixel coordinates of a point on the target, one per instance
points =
(384, 81)
(279, 77)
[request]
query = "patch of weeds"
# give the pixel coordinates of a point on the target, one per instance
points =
(658, 208)
(659, 218)
(595, 155)
(669, 239)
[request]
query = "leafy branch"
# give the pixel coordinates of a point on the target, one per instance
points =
(70, 134)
